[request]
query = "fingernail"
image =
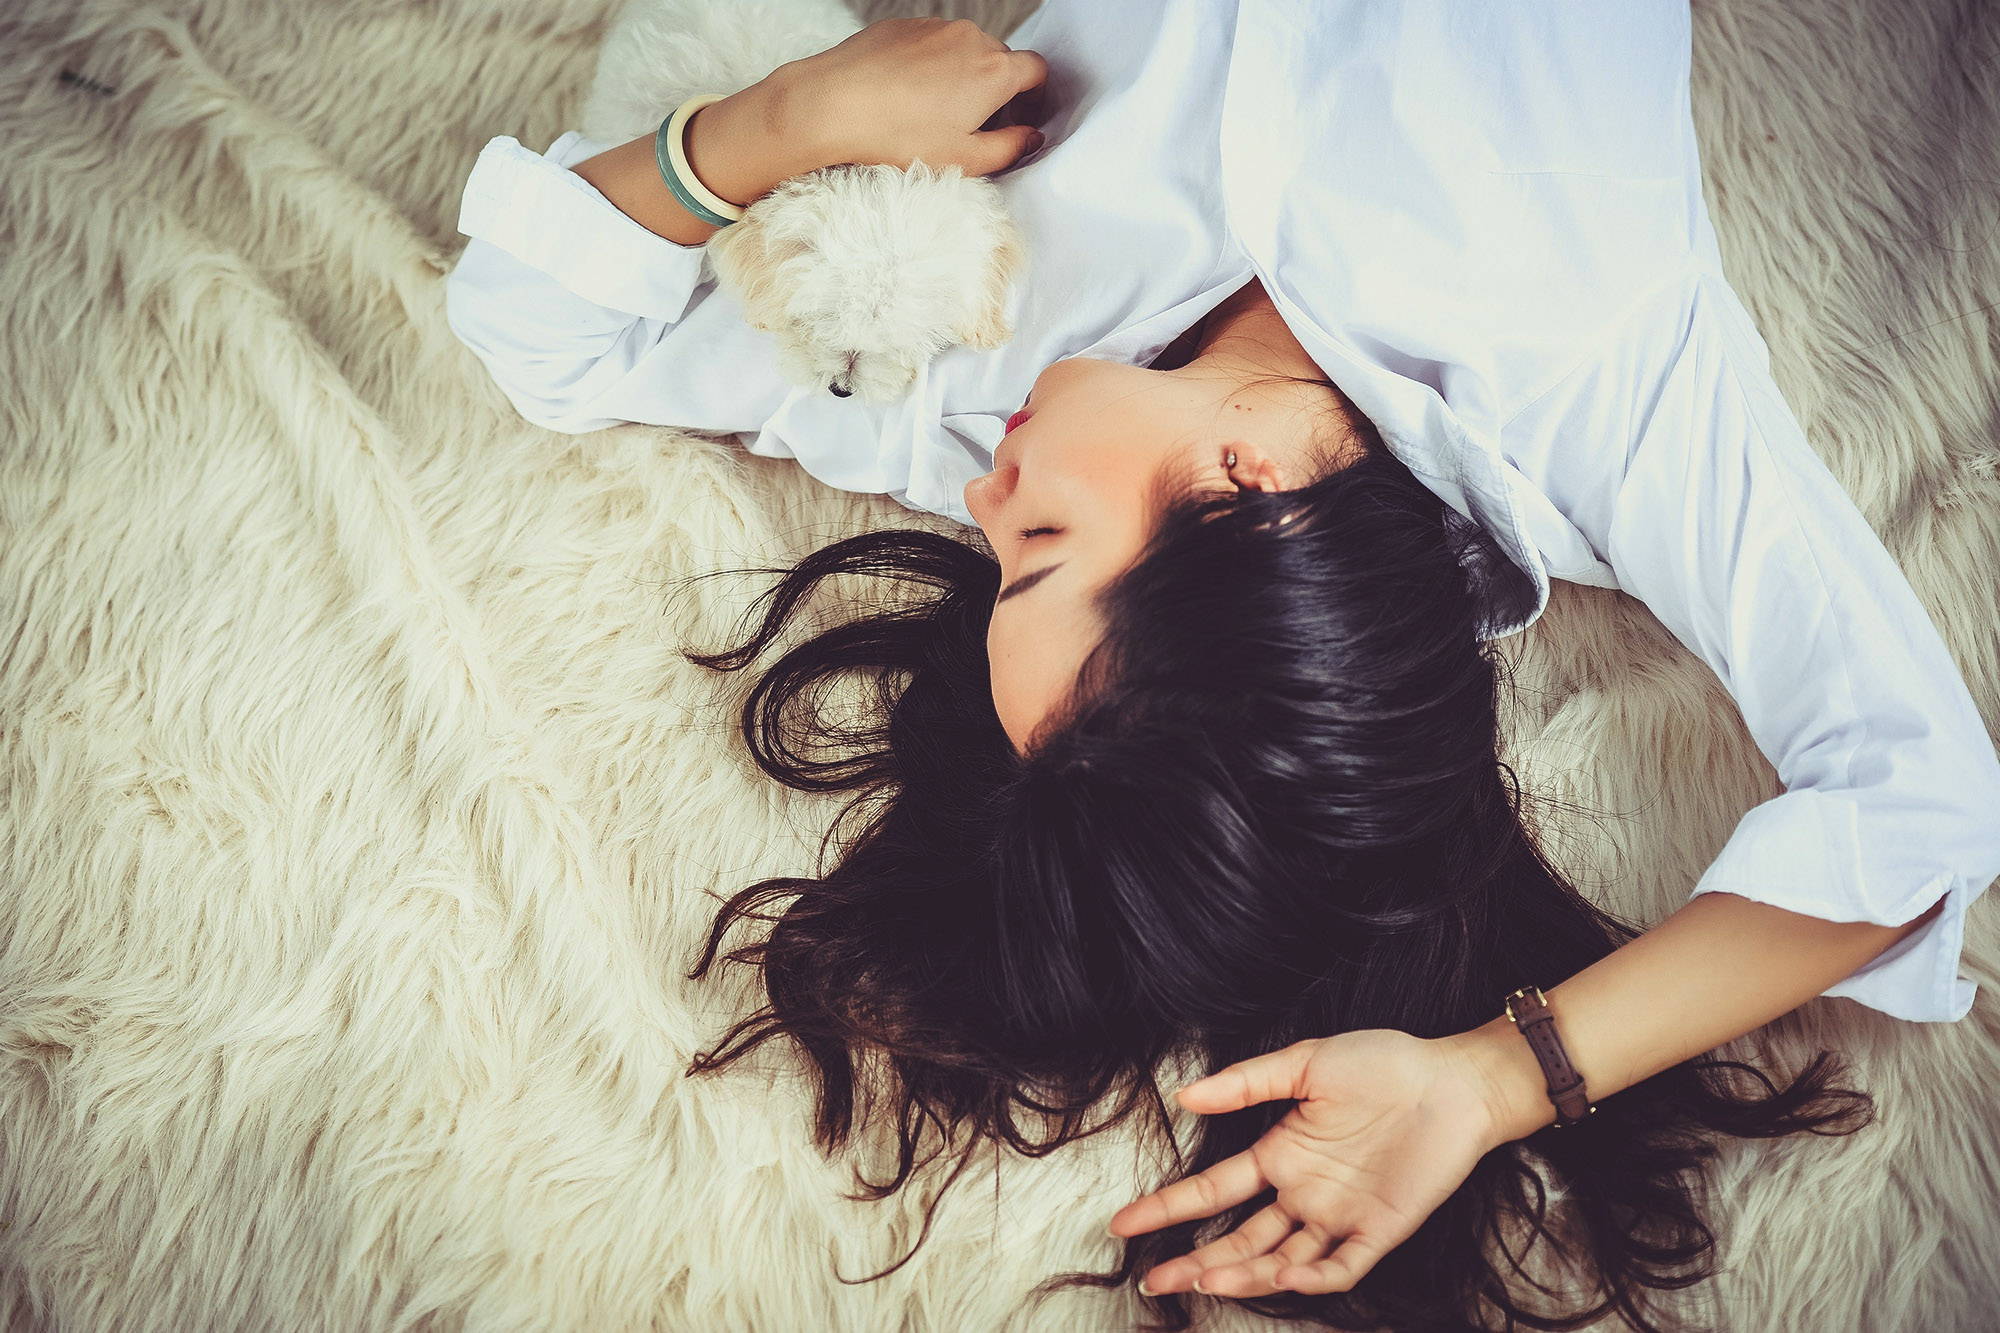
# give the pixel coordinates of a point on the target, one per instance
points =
(1198, 1287)
(1036, 140)
(1113, 1234)
(1145, 1290)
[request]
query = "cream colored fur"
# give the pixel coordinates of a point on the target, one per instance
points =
(357, 816)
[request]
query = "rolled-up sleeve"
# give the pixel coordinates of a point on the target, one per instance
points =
(1720, 516)
(558, 292)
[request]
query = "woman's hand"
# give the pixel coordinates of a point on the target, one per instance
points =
(910, 88)
(1386, 1127)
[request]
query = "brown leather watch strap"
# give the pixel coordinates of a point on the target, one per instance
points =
(1529, 1011)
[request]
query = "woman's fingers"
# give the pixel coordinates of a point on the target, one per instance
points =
(1265, 1229)
(1307, 1245)
(1029, 107)
(1258, 1274)
(1224, 1185)
(1027, 71)
(1339, 1271)
(1261, 1078)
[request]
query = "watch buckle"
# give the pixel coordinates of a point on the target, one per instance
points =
(1522, 993)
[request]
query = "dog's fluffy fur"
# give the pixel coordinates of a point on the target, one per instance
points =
(358, 818)
(861, 273)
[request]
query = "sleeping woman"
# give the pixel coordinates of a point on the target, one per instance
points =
(1345, 328)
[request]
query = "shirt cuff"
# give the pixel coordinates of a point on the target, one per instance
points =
(547, 216)
(1802, 852)
(1917, 978)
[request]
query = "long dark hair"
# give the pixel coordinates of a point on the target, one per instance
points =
(1272, 809)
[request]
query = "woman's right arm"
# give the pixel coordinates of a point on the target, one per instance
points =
(583, 268)
(739, 147)
(579, 270)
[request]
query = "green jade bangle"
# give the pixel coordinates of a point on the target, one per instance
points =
(672, 128)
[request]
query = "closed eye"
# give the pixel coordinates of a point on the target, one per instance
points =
(1035, 532)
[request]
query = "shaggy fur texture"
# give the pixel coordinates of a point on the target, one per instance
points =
(358, 815)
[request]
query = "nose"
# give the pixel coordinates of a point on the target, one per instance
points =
(837, 391)
(985, 493)
(974, 496)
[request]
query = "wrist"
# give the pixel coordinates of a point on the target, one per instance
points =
(1514, 1090)
(797, 109)
(742, 147)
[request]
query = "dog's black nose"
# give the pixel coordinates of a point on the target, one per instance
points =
(837, 391)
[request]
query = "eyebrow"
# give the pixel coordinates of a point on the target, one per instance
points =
(1026, 581)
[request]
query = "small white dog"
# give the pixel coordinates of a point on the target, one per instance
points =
(861, 273)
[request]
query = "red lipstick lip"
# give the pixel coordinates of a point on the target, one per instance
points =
(1017, 419)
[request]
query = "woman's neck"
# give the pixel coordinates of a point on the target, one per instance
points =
(1246, 339)
(1246, 333)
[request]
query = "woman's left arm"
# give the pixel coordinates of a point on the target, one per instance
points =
(1719, 967)
(1387, 1126)
(1676, 457)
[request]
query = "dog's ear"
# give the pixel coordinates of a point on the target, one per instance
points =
(989, 327)
(740, 254)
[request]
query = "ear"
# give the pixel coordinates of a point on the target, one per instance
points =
(740, 256)
(1254, 471)
(988, 326)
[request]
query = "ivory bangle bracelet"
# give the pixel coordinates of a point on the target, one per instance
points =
(670, 151)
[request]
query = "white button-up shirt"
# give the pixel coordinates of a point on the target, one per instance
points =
(1486, 225)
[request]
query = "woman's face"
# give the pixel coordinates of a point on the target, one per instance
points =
(1075, 472)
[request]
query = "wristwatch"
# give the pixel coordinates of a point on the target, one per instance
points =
(1528, 1010)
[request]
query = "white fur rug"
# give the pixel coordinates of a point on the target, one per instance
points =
(358, 815)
